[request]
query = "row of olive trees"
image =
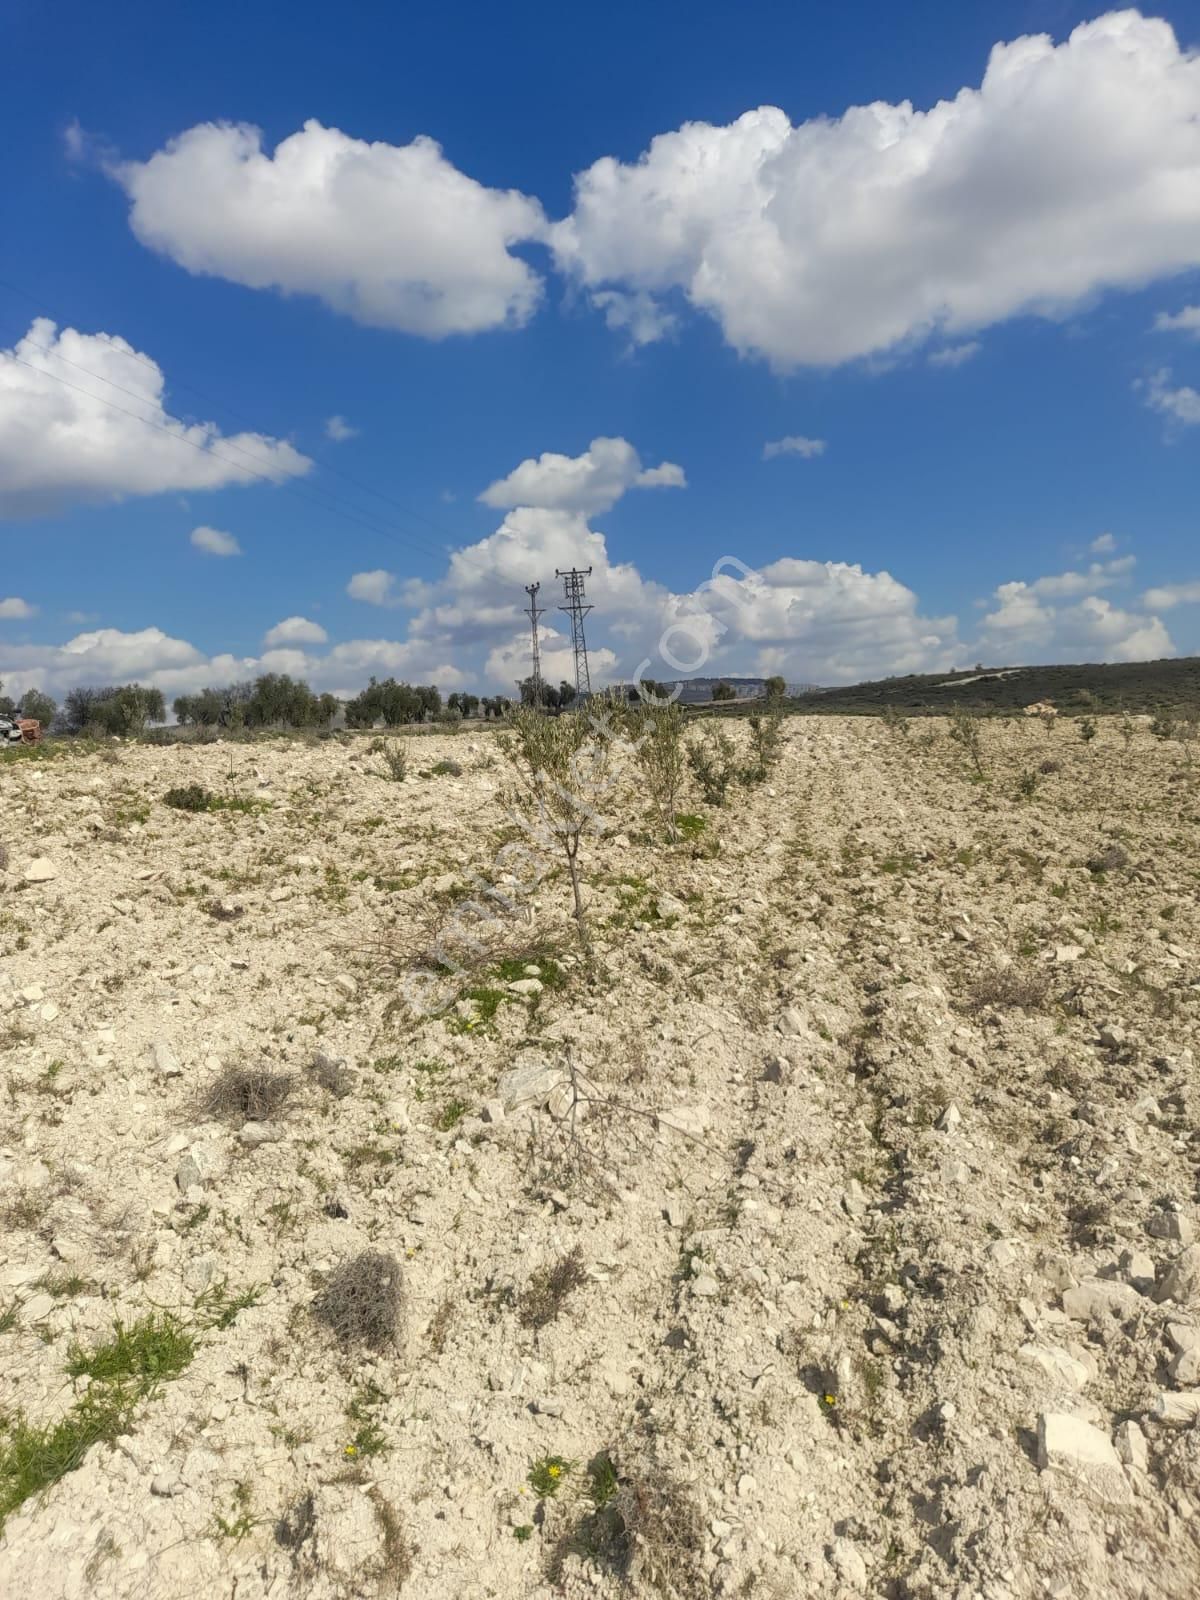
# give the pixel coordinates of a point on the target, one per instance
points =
(274, 700)
(117, 709)
(473, 705)
(393, 703)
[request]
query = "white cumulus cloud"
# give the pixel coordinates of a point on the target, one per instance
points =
(795, 444)
(295, 630)
(1185, 321)
(954, 355)
(339, 430)
(1071, 169)
(375, 588)
(1169, 595)
(393, 236)
(639, 315)
(1028, 625)
(1099, 575)
(589, 483)
(1179, 405)
(811, 620)
(74, 409)
(14, 609)
(215, 542)
(1103, 544)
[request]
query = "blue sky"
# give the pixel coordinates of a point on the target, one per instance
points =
(950, 313)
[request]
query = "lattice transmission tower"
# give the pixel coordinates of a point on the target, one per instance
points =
(576, 608)
(534, 612)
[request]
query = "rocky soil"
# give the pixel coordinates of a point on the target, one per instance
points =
(829, 1233)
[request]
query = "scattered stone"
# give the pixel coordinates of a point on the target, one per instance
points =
(791, 1022)
(164, 1060)
(854, 1199)
(1171, 1225)
(569, 1099)
(676, 1213)
(37, 1308)
(199, 1273)
(525, 986)
(492, 1111)
(1076, 1447)
(166, 1484)
(1057, 1363)
(949, 1119)
(1132, 1447)
(894, 1298)
(346, 984)
(848, 1563)
(1185, 1367)
(668, 906)
(1065, 953)
(549, 1406)
(41, 870)
(68, 1249)
(529, 1085)
(252, 1134)
(1182, 1280)
(1178, 1410)
(1002, 1253)
(1183, 1336)
(1138, 1269)
(1097, 1298)
(194, 1170)
(706, 1286)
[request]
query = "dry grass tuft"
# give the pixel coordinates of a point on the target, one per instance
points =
(647, 1530)
(248, 1094)
(331, 1075)
(549, 1290)
(1006, 988)
(362, 1301)
(1110, 860)
(664, 1535)
(396, 1558)
(224, 911)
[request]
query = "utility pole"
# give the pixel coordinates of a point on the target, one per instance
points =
(533, 613)
(577, 610)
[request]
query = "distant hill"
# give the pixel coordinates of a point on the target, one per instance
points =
(1131, 686)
